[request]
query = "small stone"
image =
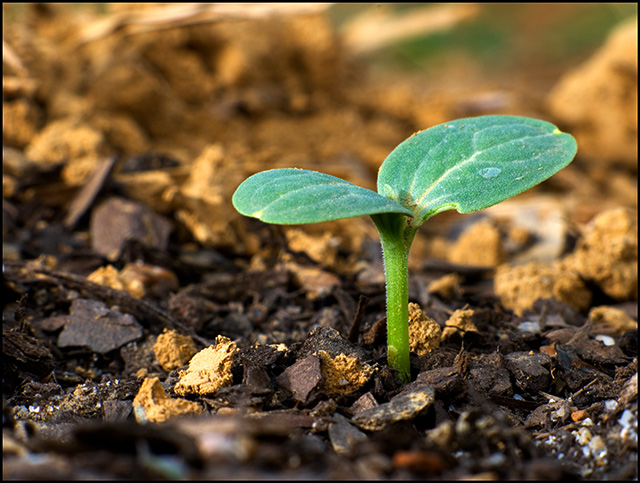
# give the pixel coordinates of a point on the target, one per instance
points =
(92, 324)
(489, 376)
(256, 378)
(344, 436)
(364, 402)
(630, 390)
(115, 410)
(553, 412)
(445, 380)
(116, 220)
(302, 379)
(401, 408)
(530, 370)
(579, 415)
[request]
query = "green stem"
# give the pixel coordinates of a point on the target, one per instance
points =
(396, 236)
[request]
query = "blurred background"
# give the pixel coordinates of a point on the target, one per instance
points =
(193, 98)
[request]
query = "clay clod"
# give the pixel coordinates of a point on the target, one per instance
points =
(209, 370)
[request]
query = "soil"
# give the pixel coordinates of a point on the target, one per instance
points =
(150, 331)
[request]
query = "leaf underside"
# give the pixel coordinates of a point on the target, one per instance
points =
(296, 196)
(471, 164)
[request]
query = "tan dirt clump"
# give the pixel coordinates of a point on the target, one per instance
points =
(122, 133)
(209, 370)
(479, 245)
(598, 101)
(519, 287)
(137, 279)
(615, 318)
(70, 141)
(343, 374)
(322, 248)
(152, 404)
(315, 281)
(155, 188)
(446, 286)
(109, 276)
(173, 350)
(424, 332)
(205, 194)
(608, 254)
(20, 119)
(459, 323)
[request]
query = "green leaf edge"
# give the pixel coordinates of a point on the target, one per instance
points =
(258, 197)
(420, 215)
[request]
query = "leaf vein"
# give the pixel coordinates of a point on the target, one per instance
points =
(460, 165)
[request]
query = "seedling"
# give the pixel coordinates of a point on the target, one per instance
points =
(466, 165)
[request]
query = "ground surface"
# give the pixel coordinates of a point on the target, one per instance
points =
(150, 331)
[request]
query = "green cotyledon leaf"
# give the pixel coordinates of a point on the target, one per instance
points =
(295, 196)
(471, 164)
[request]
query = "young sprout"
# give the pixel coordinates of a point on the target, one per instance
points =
(466, 165)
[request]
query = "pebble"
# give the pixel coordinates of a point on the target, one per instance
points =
(92, 324)
(402, 408)
(344, 436)
(303, 379)
(529, 370)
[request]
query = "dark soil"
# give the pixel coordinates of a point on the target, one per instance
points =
(151, 332)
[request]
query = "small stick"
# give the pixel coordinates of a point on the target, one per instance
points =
(354, 332)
